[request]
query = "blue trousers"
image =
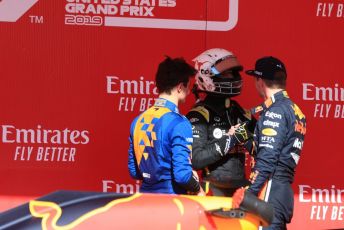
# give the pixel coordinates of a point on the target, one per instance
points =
(281, 196)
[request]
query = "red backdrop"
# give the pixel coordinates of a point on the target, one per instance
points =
(74, 73)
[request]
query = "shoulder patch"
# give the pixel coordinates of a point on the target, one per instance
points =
(298, 111)
(203, 111)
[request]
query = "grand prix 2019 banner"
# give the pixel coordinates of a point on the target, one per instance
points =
(74, 73)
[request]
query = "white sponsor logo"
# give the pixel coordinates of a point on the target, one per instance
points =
(228, 144)
(271, 123)
(12, 10)
(135, 94)
(189, 139)
(217, 119)
(111, 186)
(308, 194)
(326, 203)
(217, 133)
(267, 139)
(330, 10)
(194, 119)
(217, 124)
(323, 94)
(266, 145)
(298, 144)
(195, 131)
(258, 73)
(218, 149)
(273, 115)
(296, 157)
(115, 85)
(146, 175)
(141, 14)
(25, 138)
(39, 135)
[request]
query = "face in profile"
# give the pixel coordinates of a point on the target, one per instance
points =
(183, 92)
(259, 87)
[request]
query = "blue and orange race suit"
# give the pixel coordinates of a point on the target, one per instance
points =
(279, 137)
(160, 150)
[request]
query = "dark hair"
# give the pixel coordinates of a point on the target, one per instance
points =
(171, 72)
(279, 81)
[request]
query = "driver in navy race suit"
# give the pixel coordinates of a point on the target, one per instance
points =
(161, 138)
(279, 137)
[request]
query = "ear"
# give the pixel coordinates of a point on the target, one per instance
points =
(260, 81)
(180, 87)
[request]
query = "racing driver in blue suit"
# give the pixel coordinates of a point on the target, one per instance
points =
(161, 138)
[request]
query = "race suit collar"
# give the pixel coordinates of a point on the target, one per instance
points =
(162, 102)
(217, 104)
(268, 102)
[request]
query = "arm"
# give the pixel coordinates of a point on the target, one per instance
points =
(250, 120)
(271, 133)
(132, 163)
(204, 151)
(181, 139)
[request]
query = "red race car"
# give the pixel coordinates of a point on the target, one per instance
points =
(64, 210)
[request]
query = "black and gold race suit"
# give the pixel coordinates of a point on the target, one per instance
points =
(215, 153)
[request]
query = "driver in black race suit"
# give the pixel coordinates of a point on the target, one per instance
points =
(222, 129)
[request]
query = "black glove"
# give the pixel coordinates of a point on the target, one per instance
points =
(242, 134)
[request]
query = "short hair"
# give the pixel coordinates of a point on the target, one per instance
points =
(279, 81)
(172, 72)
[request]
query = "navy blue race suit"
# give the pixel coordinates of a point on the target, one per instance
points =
(213, 151)
(160, 150)
(279, 137)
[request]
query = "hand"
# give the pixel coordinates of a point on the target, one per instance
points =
(241, 133)
(201, 192)
(231, 131)
(195, 175)
(236, 134)
(238, 197)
